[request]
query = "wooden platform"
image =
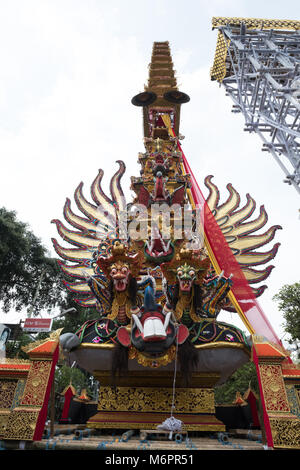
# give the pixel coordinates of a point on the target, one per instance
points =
(66, 439)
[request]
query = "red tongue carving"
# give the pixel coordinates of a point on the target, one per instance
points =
(182, 334)
(157, 247)
(185, 285)
(124, 336)
(159, 188)
(120, 284)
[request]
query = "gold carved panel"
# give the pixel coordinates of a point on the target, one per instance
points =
(36, 384)
(138, 399)
(273, 388)
(4, 417)
(21, 424)
(7, 393)
(285, 432)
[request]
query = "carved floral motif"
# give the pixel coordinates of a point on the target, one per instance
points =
(36, 383)
(274, 389)
(149, 399)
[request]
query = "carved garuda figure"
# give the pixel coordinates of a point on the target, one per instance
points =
(184, 275)
(191, 293)
(121, 269)
(196, 297)
(111, 276)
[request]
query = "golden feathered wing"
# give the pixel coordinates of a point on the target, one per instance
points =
(98, 225)
(238, 229)
(93, 229)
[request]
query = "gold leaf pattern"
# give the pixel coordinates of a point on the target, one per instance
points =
(150, 399)
(36, 383)
(7, 392)
(254, 23)
(21, 425)
(274, 389)
(285, 432)
(151, 362)
(218, 70)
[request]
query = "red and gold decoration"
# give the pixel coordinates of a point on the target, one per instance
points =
(146, 406)
(68, 393)
(282, 427)
(157, 286)
(25, 387)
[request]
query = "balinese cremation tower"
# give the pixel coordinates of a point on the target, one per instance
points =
(158, 270)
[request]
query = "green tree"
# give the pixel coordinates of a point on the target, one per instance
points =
(289, 304)
(65, 375)
(238, 382)
(24, 267)
(73, 320)
(24, 264)
(14, 347)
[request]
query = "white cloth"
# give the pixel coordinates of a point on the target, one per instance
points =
(171, 424)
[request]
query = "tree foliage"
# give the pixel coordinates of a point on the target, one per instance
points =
(65, 375)
(238, 382)
(289, 304)
(25, 267)
(24, 263)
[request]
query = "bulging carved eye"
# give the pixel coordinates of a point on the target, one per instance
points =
(113, 271)
(124, 270)
(179, 273)
(192, 272)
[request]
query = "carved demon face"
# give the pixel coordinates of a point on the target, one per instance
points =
(152, 333)
(153, 330)
(186, 275)
(119, 273)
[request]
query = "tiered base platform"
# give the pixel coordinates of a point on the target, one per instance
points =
(140, 401)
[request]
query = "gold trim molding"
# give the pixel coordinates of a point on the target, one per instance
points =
(256, 23)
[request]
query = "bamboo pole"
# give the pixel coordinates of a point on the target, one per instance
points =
(63, 429)
(79, 433)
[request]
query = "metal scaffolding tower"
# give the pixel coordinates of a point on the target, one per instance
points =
(258, 63)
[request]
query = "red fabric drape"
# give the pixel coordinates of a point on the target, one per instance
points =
(40, 424)
(227, 262)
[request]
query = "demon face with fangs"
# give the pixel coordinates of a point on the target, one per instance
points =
(153, 330)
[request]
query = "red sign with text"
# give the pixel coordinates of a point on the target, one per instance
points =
(37, 325)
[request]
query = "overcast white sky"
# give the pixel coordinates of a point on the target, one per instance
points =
(68, 71)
